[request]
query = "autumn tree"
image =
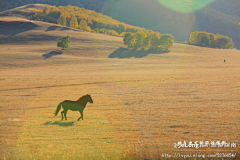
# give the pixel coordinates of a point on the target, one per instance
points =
(193, 38)
(73, 22)
(84, 26)
(210, 40)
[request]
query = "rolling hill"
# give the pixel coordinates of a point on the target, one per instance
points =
(142, 104)
(21, 31)
(219, 17)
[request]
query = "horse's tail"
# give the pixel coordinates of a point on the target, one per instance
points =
(58, 109)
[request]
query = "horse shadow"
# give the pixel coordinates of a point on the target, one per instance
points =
(60, 123)
(128, 53)
(52, 53)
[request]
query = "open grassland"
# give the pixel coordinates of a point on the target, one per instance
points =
(142, 106)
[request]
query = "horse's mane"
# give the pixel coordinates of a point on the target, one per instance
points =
(83, 96)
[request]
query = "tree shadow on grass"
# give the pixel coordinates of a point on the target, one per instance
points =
(60, 123)
(52, 28)
(128, 53)
(52, 53)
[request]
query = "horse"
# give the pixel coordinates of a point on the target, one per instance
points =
(77, 105)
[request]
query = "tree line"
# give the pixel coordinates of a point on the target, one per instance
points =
(84, 19)
(210, 40)
(76, 17)
(134, 37)
(148, 40)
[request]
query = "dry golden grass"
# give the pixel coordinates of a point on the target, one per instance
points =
(142, 106)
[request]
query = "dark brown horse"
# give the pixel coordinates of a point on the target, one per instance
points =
(77, 105)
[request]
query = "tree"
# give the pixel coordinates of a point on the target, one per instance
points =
(63, 42)
(128, 37)
(193, 38)
(62, 21)
(146, 41)
(155, 39)
(210, 40)
(74, 22)
(83, 25)
(225, 42)
(166, 41)
(121, 28)
(139, 37)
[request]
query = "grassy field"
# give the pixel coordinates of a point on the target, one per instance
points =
(142, 106)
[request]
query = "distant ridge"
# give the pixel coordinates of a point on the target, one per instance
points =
(23, 11)
(219, 17)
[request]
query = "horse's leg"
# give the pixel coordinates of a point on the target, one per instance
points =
(82, 115)
(65, 114)
(81, 112)
(62, 114)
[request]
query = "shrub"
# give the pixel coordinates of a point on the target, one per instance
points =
(63, 42)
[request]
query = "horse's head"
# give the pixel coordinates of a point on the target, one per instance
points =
(84, 99)
(89, 98)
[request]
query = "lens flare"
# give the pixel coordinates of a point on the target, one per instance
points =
(185, 6)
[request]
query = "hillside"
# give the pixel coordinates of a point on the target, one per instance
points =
(95, 5)
(73, 16)
(25, 11)
(142, 104)
(219, 17)
(21, 31)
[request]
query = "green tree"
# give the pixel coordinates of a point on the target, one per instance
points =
(74, 22)
(146, 41)
(62, 21)
(128, 37)
(212, 41)
(154, 39)
(50, 19)
(63, 42)
(203, 39)
(224, 42)
(121, 28)
(166, 41)
(139, 37)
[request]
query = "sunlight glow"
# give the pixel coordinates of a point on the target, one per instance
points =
(185, 6)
